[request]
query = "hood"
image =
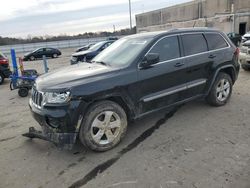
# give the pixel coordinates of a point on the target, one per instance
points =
(81, 53)
(26, 54)
(71, 76)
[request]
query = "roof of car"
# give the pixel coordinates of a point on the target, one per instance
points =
(180, 30)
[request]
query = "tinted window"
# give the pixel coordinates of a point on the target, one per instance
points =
(215, 41)
(39, 50)
(167, 48)
(194, 44)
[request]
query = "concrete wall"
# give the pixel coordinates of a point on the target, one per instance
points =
(198, 13)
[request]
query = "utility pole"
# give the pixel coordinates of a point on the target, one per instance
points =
(233, 17)
(130, 16)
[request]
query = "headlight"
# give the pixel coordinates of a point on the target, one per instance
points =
(54, 97)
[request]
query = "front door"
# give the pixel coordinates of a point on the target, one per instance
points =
(163, 83)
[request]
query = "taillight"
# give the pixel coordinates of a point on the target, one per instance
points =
(237, 52)
(4, 61)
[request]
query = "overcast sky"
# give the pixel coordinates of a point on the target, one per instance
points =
(19, 18)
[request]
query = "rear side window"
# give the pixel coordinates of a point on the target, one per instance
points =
(167, 48)
(194, 44)
(215, 41)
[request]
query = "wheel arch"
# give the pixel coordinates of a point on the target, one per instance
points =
(124, 102)
(228, 69)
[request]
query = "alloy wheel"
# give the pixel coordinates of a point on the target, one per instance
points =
(106, 127)
(223, 90)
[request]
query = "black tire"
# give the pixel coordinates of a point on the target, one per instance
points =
(96, 110)
(23, 92)
(213, 98)
(1, 78)
(32, 58)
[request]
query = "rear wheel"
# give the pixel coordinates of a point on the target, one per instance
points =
(221, 90)
(104, 126)
(1, 78)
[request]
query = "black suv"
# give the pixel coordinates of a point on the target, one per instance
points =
(137, 75)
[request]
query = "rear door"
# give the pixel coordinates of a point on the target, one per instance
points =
(199, 62)
(163, 83)
(219, 52)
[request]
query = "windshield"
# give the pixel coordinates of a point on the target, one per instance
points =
(122, 52)
(37, 50)
(96, 46)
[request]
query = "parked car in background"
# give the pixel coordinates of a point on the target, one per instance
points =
(137, 75)
(38, 54)
(112, 38)
(4, 68)
(83, 48)
(88, 55)
(245, 55)
(246, 37)
(235, 38)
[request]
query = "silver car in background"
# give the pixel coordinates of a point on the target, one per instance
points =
(245, 55)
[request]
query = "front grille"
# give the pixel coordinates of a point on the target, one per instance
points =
(37, 97)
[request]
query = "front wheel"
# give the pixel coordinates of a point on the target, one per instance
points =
(23, 92)
(104, 126)
(221, 90)
(32, 58)
(54, 55)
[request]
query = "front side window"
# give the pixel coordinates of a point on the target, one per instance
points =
(194, 44)
(215, 41)
(167, 48)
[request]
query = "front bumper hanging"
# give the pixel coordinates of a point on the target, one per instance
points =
(61, 140)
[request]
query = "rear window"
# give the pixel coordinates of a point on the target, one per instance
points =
(215, 41)
(194, 44)
(167, 48)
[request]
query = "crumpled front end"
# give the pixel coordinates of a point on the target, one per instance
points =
(59, 124)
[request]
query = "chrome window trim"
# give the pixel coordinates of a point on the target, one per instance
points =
(193, 55)
(188, 86)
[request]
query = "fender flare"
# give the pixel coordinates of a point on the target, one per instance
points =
(216, 74)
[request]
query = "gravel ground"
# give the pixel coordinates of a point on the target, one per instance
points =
(196, 146)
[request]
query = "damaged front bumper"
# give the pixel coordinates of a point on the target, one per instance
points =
(61, 140)
(59, 124)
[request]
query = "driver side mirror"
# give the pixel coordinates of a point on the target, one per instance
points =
(150, 59)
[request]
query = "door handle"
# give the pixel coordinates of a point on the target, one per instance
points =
(179, 64)
(211, 56)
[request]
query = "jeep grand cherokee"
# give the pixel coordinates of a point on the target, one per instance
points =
(135, 76)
